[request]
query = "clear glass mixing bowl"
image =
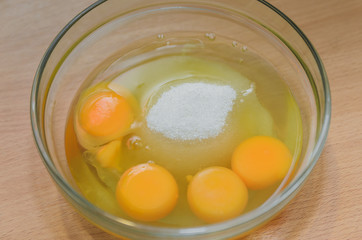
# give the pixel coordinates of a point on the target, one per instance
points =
(115, 28)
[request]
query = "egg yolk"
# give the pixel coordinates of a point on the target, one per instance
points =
(105, 113)
(261, 161)
(108, 155)
(147, 192)
(216, 194)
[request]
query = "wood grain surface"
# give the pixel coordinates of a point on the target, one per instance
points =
(329, 206)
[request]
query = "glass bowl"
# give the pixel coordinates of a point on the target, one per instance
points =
(116, 28)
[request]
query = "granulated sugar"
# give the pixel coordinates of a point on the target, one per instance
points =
(192, 111)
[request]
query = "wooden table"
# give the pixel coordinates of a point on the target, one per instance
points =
(329, 205)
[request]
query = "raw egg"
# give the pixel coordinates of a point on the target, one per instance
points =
(261, 161)
(108, 156)
(216, 194)
(102, 115)
(147, 192)
(105, 113)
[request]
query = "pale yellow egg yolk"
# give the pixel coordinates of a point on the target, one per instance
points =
(108, 156)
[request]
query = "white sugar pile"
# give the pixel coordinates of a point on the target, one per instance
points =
(191, 111)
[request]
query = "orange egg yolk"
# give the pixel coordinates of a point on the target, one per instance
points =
(147, 192)
(216, 194)
(261, 161)
(105, 113)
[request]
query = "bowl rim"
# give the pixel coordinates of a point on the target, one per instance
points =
(169, 231)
